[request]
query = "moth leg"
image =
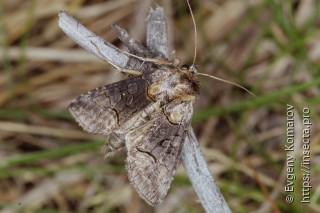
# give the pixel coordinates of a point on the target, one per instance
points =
(115, 143)
(120, 69)
(153, 60)
(133, 45)
(137, 49)
(130, 72)
(158, 61)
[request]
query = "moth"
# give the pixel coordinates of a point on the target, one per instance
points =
(148, 113)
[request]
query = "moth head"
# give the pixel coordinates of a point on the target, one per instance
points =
(190, 68)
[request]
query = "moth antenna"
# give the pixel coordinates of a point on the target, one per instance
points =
(195, 55)
(195, 33)
(229, 82)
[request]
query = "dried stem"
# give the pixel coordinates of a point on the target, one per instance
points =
(192, 157)
(199, 174)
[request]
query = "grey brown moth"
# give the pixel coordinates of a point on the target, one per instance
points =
(149, 113)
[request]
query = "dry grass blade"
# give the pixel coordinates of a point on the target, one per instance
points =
(41, 130)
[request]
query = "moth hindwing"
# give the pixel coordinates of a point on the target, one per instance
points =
(149, 114)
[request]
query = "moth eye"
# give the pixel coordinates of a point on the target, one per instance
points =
(185, 67)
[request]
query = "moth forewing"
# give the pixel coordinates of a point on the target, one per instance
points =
(153, 158)
(106, 108)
